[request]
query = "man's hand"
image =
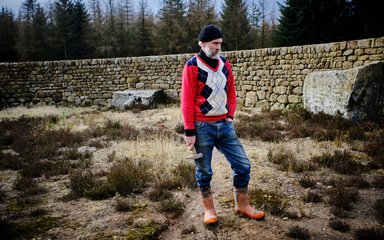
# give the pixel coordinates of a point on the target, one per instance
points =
(228, 120)
(190, 141)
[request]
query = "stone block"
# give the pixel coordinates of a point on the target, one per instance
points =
(294, 99)
(130, 98)
(277, 106)
(246, 87)
(356, 93)
(261, 95)
(298, 90)
(250, 99)
(282, 99)
(263, 105)
(280, 90)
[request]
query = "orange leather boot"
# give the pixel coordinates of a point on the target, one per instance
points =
(242, 204)
(210, 216)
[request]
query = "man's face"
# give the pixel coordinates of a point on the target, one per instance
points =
(213, 48)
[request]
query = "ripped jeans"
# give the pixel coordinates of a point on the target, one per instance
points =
(221, 135)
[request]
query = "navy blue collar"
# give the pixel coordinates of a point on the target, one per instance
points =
(210, 61)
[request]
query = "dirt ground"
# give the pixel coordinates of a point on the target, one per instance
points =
(88, 219)
(264, 175)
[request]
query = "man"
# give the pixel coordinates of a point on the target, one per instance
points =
(208, 104)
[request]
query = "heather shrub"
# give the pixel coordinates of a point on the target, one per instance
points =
(128, 176)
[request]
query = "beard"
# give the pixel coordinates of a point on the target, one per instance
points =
(212, 53)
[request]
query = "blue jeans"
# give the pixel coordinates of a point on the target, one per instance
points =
(221, 135)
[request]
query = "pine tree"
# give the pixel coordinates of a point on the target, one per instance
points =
(8, 32)
(81, 46)
(235, 25)
(24, 45)
(97, 27)
(144, 26)
(289, 32)
(33, 34)
(256, 30)
(368, 18)
(172, 28)
(64, 28)
(125, 36)
(199, 14)
(39, 41)
(315, 21)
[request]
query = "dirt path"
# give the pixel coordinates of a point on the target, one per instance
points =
(230, 226)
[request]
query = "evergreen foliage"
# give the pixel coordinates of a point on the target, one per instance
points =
(145, 26)
(319, 21)
(8, 32)
(199, 14)
(76, 29)
(235, 25)
(171, 35)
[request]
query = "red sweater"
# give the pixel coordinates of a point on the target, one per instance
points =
(207, 94)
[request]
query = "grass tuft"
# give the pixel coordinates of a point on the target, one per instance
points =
(128, 176)
(159, 193)
(184, 175)
(378, 208)
(343, 197)
(307, 182)
(124, 204)
(172, 207)
(374, 147)
(287, 161)
(191, 229)
(271, 201)
(259, 126)
(341, 162)
(292, 215)
(298, 232)
(339, 225)
(3, 194)
(378, 181)
(339, 212)
(371, 233)
(312, 196)
(28, 186)
(113, 130)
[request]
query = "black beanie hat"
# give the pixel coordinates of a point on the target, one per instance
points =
(209, 33)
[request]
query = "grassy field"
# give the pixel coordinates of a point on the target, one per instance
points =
(96, 174)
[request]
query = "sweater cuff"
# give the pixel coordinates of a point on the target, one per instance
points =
(190, 132)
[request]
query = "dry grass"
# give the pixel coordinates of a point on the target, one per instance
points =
(343, 197)
(43, 111)
(138, 158)
(341, 162)
(339, 225)
(272, 201)
(298, 232)
(50, 146)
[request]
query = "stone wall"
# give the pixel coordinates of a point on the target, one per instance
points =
(269, 78)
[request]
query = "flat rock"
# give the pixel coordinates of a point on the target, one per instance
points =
(356, 93)
(130, 98)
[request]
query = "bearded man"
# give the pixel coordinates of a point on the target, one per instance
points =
(208, 104)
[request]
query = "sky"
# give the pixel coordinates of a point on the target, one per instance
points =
(154, 5)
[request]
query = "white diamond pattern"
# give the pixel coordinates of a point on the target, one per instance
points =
(217, 82)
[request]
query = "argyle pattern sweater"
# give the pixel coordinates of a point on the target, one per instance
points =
(207, 94)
